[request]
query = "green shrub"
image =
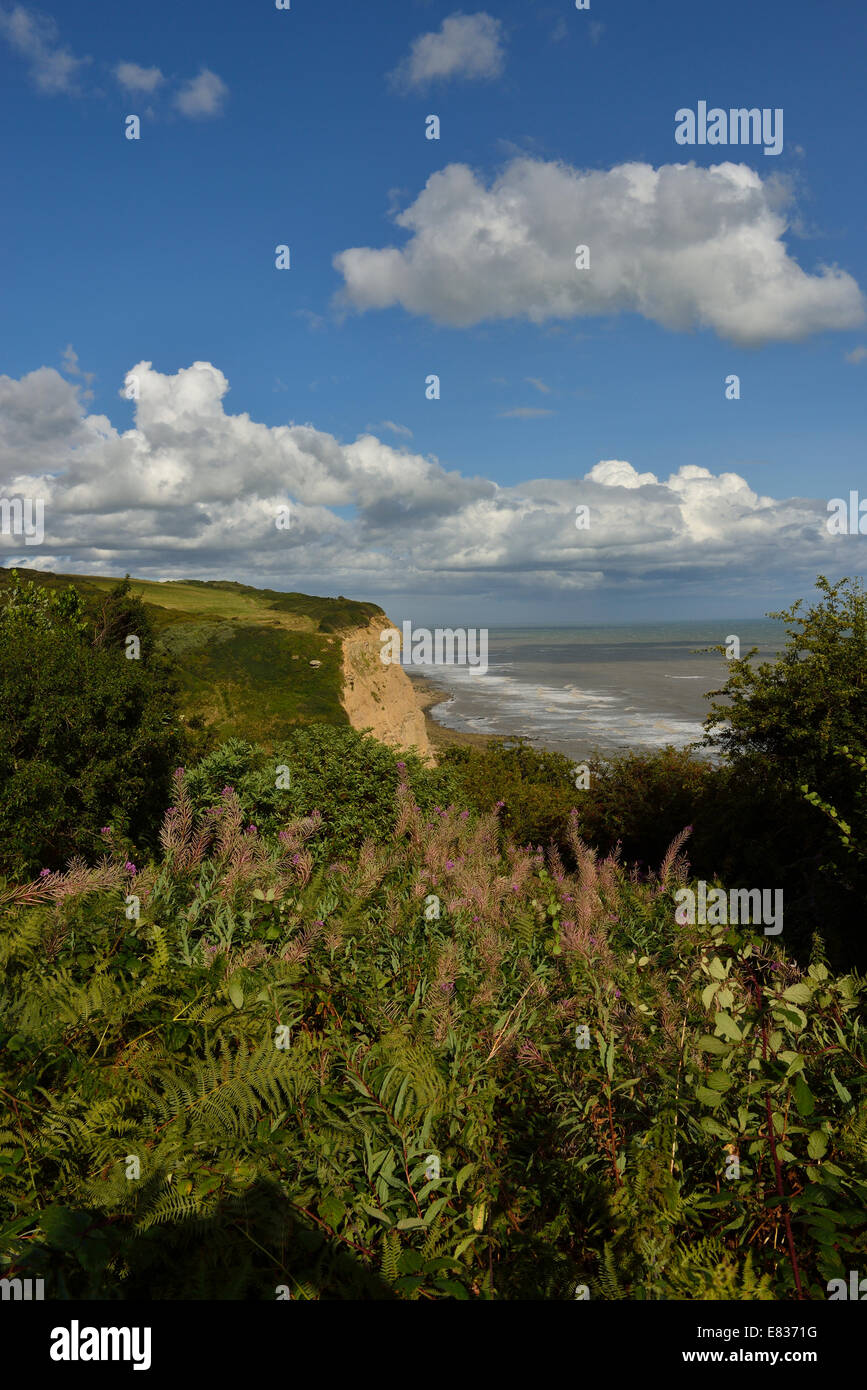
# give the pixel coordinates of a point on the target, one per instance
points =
(87, 738)
(348, 777)
(243, 1089)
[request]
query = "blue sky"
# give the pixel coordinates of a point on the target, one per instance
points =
(265, 127)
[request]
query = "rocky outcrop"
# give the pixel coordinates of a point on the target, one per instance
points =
(379, 697)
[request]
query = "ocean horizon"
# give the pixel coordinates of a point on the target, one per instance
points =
(606, 689)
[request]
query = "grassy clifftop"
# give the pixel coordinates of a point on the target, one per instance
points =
(243, 654)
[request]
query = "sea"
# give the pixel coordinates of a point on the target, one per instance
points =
(580, 690)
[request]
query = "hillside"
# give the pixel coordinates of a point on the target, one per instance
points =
(244, 658)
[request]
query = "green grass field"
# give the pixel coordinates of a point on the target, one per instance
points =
(243, 654)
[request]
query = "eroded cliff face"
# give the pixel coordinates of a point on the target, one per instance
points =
(379, 697)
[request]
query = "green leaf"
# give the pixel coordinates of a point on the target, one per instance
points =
(236, 994)
(708, 993)
(434, 1209)
(463, 1175)
(803, 1098)
(727, 1026)
(465, 1244)
(798, 994)
(817, 1144)
(375, 1211)
(712, 1126)
(845, 1096)
(719, 1080)
(716, 969)
(410, 1223)
(332, 1210)
(715, 1045)
(712, 1098)
(451, 1286)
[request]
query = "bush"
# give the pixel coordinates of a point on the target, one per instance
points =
(87, 738)
(244, 1089)
(348, 777)
(637, 800)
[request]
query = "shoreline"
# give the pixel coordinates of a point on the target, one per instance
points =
(428, 694)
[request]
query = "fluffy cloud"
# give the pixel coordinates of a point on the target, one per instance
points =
(466, 45)
(52, 66)
(138, 79)
(203, 95)
(686, 247)
(194, 491)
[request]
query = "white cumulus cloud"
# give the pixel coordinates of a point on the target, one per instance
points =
(53, 67)
(138, 79)
(203, 95)
(194, 490)
(683, 246)
(465, 45)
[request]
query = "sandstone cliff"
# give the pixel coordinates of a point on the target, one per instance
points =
(378, 697)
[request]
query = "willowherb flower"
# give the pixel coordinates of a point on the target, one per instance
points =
(43, 873)
(130, 867)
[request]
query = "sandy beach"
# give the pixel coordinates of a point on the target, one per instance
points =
(429, 694)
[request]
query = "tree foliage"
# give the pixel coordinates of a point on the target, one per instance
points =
(88, 738)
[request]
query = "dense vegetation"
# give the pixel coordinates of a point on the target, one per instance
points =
(86, 735)
(373, 1079)
(793, 735)
(340, 1024)
(241, 656)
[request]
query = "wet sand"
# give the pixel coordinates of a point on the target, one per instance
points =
(429, 694)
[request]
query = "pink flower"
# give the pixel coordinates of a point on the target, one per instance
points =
(44, 873)
(130, 868)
